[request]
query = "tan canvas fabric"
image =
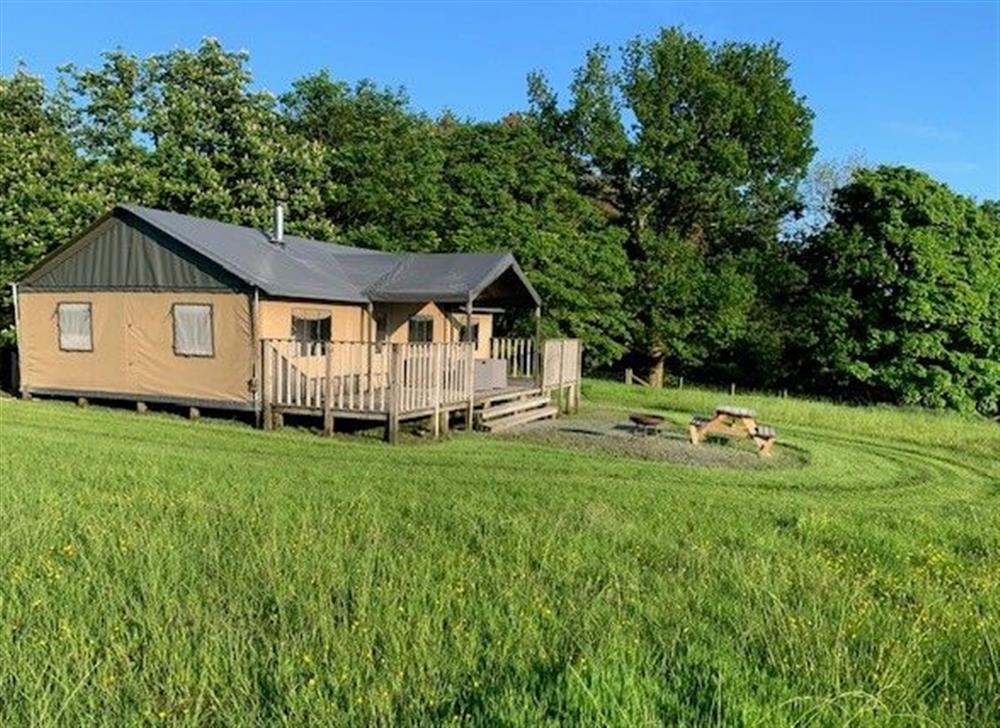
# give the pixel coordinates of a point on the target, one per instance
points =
(485, 321)
(350, 322)
(133, 351)
(447, 327)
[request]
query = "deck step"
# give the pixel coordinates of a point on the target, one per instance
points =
(488, 399)
(517, 405)
(522, 418)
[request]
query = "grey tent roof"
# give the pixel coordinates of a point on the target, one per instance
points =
(249, 254)
(446, 277)
(303, 268)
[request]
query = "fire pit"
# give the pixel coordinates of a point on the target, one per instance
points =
(645, 424)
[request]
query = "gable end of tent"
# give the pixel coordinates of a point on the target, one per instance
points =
(121, 251)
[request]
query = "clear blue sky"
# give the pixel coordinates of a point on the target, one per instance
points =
(916, 83)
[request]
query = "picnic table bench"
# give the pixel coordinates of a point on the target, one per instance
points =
(736, 422)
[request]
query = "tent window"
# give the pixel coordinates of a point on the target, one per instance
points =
(75, 327)
(193, 329)
(310, 333)
(381, 327)
(421, 329)
(463, 333)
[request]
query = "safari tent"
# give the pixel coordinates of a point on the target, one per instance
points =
(154, 306)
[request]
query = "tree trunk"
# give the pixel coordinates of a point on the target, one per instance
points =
(654, 374)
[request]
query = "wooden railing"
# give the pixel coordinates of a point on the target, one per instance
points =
(432, 375)
(561, 362)
(349, 375)
(521, 356)
(365, 379)
(354, 376)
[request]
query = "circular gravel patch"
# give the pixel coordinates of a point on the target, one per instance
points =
(611, 432)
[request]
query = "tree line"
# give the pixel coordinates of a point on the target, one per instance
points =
(665, 208)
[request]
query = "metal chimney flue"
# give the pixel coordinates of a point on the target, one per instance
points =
(279, 224)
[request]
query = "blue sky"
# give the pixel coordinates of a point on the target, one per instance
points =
(916, 83)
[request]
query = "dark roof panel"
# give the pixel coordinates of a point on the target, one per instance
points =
(249, 254)
(445, 277)
(303, 268)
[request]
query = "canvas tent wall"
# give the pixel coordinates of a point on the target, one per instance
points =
(124, 280)
(131, 352)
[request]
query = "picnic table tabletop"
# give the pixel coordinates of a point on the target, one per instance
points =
(733, 411)
(731, 420)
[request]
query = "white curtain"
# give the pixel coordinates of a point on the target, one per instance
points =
(74, 327)
(193, 329)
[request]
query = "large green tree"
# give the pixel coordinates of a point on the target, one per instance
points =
(696, 151)
(185, 130)
(45, 189)
(380, 162)
(903, 297)
(504, 188)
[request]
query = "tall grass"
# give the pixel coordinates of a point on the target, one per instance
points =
(154, 571)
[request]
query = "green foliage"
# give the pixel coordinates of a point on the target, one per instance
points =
(45, 189)
(489, 581)
(661, 212)
(697, 149)
(381, 163)
(505, 189)
(904, 294)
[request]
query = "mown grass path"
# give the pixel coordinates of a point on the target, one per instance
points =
(154, 571)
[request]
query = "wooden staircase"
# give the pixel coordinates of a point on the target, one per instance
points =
(497, 416)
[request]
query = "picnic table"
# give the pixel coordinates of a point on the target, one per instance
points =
(735, 422)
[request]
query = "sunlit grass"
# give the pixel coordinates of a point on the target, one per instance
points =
(154, 571)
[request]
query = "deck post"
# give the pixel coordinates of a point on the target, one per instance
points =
(579, 376)
(562, 369)
(539, 352)
(369, 386)
(437, 371)
(257, 361)
(395, 384)
(266, 386)
(328, 393)
(470, 366)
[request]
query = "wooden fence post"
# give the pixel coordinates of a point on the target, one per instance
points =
(628, 376)
(732, 389)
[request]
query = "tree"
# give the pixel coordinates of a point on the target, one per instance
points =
(904, 294)
(381, 163)
(690, 146)
(44, 187)
(823, 179)
(183, 130)
(505, 189)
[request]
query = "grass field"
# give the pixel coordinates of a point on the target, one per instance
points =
(154, 571)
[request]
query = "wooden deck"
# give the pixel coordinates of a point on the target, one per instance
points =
(394, 383)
